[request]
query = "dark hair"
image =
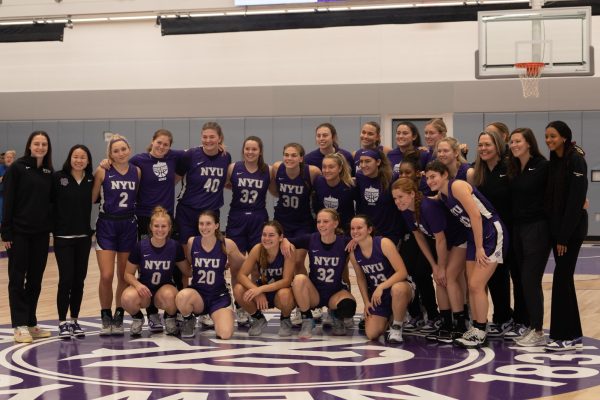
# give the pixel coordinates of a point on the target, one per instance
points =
(514, 164)
(300, 149)
(368, 222)
(67, 164)
(437, 166)
(415, 132)
(263, 256)
(47, 161)
(262, 166)
(218, 233)
(160, 132)
(215, 127)
(334, 135)
(412, 158)
(377, 130)
(500, 126)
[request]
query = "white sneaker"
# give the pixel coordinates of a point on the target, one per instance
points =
(296, 317)
(206, 321)
(326, 319)
(317, 314)
(533, 339)
(136, 326)
(243, 318)
(472, 339)
(394, 334)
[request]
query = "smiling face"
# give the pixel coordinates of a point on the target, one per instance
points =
(326, 223)
(518, 145)
(79, 160)
(330, 169)
(432, 135)
(270, 239)
(291, 157)
(407, 170)
(210, 141)
(39, 147)
(359, 230)
(486, 148)
(435, 180)
(324, 138)
(369, 166)
(119, 152)
(251, 151)
(554, 141)
(403, 200)
(445, 153)
(160, 146)
(404, 137)
(160, 227)
(369, 138)
(207, 226)
(9, 158)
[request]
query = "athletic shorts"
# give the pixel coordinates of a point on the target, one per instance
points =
(245, 228)
(325, 293)
(295, 230)
(155, 288)
(116, 235)
(384, 309)
(495, 242)
(215, 302)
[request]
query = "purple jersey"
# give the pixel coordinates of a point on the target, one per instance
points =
(461, 173)
(208, 269)
(156, 264)
(203, 179)
(315, 158)
(340, 198)
(118, 192)
(249, 189)
(377, 268)
(326, 264)
(273, 272)
(379, 206)
(396, 156)
(293, 204)
(157, 184)
(435, 218)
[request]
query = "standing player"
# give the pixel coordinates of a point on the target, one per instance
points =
(448, 152)
(408, 140)
(430, 221)
(485, 243)
(154, 259)
(370, 139)
(382, 280)
(335, 189)
(204, 171)
(72, 194)
(327, 140)
(292, 183)
(116, 228)
(209, 254)
(273, 286)
(328, 264)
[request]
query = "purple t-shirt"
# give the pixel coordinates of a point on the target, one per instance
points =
(203, 179)
(157, 184)
(315, 158)
(340, 198)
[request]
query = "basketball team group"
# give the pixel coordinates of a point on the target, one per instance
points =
(430, 237)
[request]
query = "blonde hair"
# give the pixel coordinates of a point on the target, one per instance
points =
(341, 162)
(336, 217)
(455, 146)
(113, 139)
(160, 212)
(439, 125)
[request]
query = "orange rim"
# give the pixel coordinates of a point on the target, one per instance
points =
(531, 68)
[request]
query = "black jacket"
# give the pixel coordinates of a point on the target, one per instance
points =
(528, 192)
(72, 204)
(27, 201)
(566, 203)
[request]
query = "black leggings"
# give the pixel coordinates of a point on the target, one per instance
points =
(26, 264)
(419, 269)
(72, 256)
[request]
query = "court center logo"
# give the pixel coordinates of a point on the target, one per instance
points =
(325, 367)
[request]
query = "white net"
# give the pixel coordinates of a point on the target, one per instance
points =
(529, 74)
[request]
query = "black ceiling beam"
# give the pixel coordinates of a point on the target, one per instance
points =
(37, 32)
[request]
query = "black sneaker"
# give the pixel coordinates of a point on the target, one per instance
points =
(76, 330)
(64, 330)
(117, 324)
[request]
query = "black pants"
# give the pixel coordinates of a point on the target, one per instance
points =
(420, 271)
(26, 265)
(72, 258)
(565, 323)
(531, 243)
(499, 286)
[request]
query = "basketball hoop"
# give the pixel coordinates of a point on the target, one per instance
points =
(529, 74)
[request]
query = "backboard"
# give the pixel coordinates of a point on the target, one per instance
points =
(557, 37)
